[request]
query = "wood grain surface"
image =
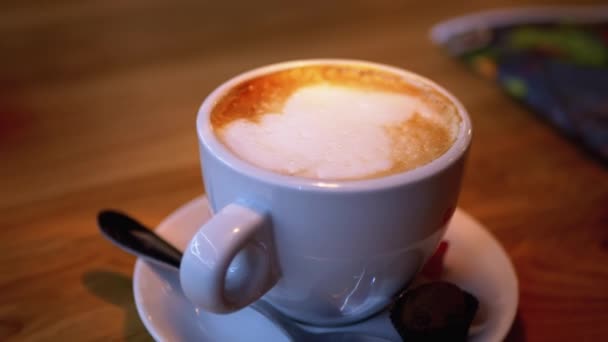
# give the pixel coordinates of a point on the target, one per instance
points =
(97, 108)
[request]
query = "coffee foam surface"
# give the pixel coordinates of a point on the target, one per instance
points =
(336, 131)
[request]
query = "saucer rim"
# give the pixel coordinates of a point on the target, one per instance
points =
(139, 306)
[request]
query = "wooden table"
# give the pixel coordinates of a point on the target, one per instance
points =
(97, 108)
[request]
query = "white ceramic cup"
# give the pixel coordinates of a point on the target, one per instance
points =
(322, 252)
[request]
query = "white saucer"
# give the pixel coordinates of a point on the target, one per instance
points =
(475, 261)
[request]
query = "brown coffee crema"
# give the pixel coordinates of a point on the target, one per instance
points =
(415, 141)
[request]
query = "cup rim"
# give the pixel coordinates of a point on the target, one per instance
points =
(208, 138)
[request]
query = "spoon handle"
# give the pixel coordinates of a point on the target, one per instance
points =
(137, 239)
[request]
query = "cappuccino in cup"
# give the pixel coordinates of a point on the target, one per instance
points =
(335, 122)
(331, 183)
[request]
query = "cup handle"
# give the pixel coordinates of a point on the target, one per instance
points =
(228, 264)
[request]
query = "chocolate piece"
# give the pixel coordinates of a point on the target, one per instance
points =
(437, 311)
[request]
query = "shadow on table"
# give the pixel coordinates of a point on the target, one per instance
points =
(518, 331)
(116, 289)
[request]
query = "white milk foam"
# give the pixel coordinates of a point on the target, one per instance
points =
(327, 132)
